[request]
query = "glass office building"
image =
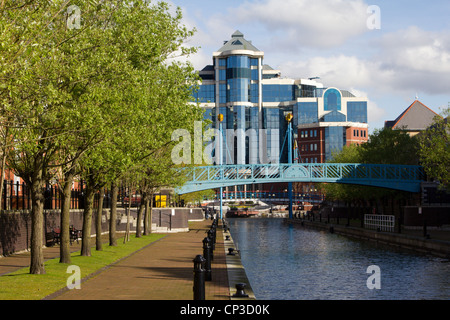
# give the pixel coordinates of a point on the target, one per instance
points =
(254, 100)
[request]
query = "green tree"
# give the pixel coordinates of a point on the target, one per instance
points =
(434, 150)
(385, 146)
(36, 98)
(77, 99)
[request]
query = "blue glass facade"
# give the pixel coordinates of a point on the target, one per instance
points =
(357, 111)
(278, 93)
(205, 94)
(306, 112)
(334, 116)
(332, 100)
(334, 140)
(254, 100)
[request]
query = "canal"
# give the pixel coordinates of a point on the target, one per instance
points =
(290, 262)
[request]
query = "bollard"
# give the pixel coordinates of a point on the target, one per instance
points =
(211, 244)
(211, 237)
(231, 252)
(227, 238)
(240, 292)
(199, 278)
(214, 231)
(207, 256)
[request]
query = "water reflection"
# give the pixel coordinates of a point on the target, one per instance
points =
(288, 262)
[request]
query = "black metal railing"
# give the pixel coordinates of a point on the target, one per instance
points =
(17, 196)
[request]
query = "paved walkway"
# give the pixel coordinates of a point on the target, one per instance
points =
(161, 271)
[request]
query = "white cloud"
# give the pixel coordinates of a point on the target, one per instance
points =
(318, 23)
(412, 60)
(417, 50)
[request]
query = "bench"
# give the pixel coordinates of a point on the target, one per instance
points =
(75, 235)
(51, 238)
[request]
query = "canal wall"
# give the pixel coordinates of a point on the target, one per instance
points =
(430, 246)
(235, 269)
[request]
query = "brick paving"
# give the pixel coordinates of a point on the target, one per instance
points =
(161, 271)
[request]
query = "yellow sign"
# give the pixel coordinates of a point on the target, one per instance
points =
(220, 117)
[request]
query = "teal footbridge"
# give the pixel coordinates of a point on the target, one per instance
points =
(398, 177)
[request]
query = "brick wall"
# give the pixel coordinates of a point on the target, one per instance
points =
(15, 226)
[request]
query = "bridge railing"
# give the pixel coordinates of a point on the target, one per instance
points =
(382, 175)
(323, 170)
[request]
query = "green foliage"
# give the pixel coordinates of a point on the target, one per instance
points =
(385, 146)
(99, 99)
(196, 197)
(434, 150)
(20, 285)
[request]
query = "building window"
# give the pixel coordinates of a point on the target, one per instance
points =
(306, 112)
(334, 116)
(222, 75)
(332, 100)
(357, 111)
(278, 92)
(222, 62)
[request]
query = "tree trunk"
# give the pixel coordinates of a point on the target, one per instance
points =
(113, 215)
(37, 217)
(2, 178)
(139, 215)
(87, 220)
(150, 211)
(146, 217)
(127, 232)
(98, 225)
(64, 249)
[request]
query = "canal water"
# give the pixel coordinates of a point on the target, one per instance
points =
(290, 262)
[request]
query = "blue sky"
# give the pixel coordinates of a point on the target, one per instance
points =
(408, 56)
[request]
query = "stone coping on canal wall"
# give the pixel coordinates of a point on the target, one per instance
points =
(435, 247)
(235, 269)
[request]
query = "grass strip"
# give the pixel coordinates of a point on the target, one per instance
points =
(21, 285)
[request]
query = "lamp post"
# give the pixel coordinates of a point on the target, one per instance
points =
(289, 118)
(220, 119)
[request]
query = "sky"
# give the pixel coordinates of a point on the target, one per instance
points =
(390, 51)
